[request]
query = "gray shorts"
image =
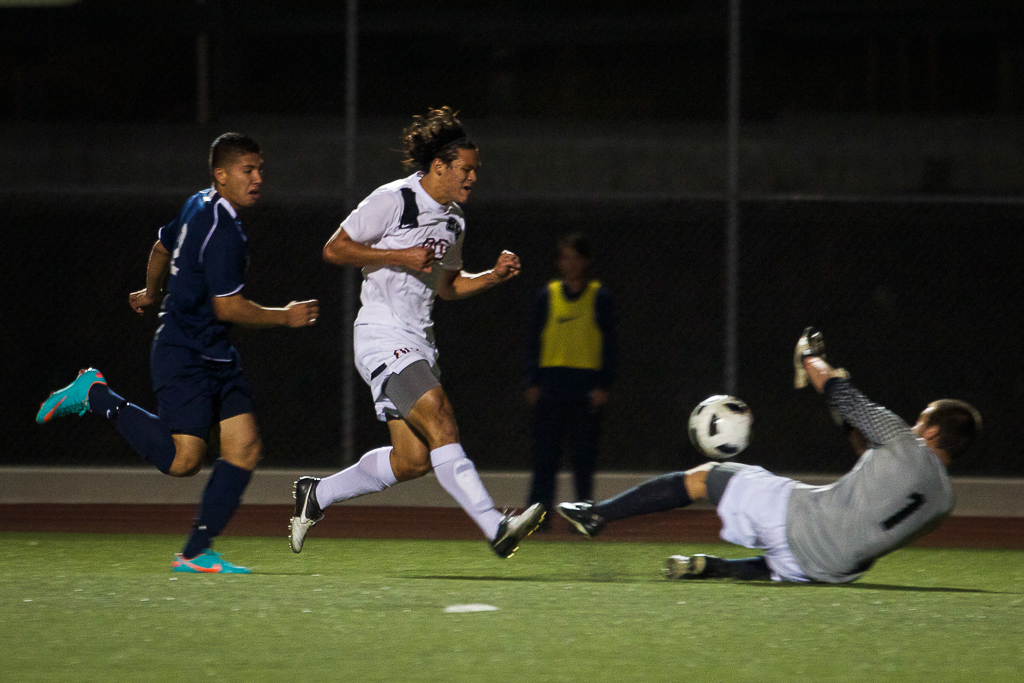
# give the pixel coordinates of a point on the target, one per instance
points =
(719, 477)
(380, 353)
(405, 388)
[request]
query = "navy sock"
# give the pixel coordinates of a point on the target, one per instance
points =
(103, 401)
(667, 492)
(143, 431)
(221, 498)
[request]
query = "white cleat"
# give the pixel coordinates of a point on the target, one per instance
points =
(688, 567)
(514, 528)
(307, 511)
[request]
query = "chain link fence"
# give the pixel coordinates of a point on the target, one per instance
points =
(918, 299)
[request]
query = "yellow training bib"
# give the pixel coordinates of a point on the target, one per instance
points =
(571, 337)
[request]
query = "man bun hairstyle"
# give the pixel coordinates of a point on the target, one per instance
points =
(959, 425)
(230, 145)
(437, 135)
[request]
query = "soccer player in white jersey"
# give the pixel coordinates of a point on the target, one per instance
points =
(898, 491)
(407, 238)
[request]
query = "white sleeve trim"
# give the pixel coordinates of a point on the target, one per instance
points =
(232, 293)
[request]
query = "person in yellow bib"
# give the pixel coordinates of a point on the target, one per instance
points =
(570, 367)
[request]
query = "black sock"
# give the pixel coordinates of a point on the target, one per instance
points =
(746, 569)
(144, 432)
(221, 498)
(667, 492)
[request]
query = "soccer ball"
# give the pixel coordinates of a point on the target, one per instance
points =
(720, 426)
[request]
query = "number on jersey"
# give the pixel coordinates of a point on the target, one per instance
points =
(177, 249)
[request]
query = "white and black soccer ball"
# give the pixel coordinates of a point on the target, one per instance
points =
(720, 426)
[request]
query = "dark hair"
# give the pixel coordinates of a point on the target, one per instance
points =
(231, 145)
(579, 243)
(438, 135)
(959, 424)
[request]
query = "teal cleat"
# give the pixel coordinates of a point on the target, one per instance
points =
(72, 399)
(207, 563)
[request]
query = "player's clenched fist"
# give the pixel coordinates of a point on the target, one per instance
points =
(139, 300)
(419, 258)
(302, 313)
(507, 266)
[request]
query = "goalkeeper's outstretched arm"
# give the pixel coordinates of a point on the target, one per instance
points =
(877, 424)
(819, 372)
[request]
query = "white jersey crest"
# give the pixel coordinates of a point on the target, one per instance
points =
(400, 215)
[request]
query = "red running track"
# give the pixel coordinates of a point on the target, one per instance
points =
(357, 521)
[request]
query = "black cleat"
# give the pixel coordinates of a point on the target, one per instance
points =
(514, 528)
(693, 567)
(582, 518)
(307, 511)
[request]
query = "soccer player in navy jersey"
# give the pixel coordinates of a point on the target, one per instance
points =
(196, 269)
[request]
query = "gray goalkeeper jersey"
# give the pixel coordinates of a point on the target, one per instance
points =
(897, 491)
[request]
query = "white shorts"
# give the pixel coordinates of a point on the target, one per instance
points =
(753, 513)
(382, 351)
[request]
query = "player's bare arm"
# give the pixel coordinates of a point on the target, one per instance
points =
(342, 250)
(459, 285)
(238, 310)
(156, 277)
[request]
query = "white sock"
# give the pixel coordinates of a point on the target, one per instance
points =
(459, 478)
(371, 474)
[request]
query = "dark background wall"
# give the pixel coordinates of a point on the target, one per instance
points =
(118, 60)
(919, 300)
(881, 154)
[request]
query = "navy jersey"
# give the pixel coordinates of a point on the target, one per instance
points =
(209, 256)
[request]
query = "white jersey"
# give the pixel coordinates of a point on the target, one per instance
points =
(400, 215)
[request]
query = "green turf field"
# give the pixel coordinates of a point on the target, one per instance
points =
(78, 607)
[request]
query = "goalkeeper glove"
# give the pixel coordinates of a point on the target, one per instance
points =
(811, 343)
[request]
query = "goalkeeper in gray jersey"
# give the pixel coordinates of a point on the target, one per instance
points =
(897, 491)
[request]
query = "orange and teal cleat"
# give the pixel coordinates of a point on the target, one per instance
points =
(72, 399)
(207, 563)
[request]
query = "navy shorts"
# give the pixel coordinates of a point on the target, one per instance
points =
(193, 393)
